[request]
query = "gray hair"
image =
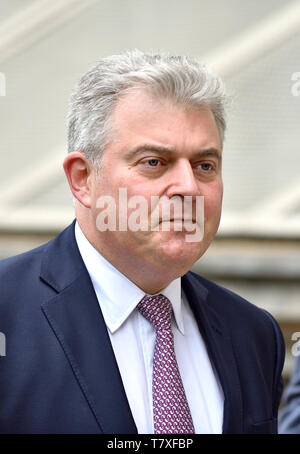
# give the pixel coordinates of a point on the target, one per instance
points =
(180, 79)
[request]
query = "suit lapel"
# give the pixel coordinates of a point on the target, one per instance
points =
(220, 350)
(76, 319)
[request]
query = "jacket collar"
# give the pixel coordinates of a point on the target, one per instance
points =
(62, 263)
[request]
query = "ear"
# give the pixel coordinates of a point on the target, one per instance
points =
(78, 170)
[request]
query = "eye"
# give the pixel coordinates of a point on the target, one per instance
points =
(206, 166)
(153, 162)
(205, 169)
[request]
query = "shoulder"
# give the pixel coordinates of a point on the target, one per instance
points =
(225, 300)
(241, 317)
(21, 263)
(20, 280)
(29, 262)
(25, 279)
(254, 334)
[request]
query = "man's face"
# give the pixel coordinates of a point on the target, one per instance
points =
(159, 149)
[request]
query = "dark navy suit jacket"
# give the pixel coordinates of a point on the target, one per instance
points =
(60, 375)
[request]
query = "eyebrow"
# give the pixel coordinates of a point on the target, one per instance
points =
(164, 150)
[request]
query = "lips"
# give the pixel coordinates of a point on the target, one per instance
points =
(179, 219)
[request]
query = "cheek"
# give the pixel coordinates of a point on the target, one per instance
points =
(213, 201)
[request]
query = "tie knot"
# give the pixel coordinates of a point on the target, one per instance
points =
(158, 310)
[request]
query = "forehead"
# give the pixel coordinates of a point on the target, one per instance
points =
(138, 115)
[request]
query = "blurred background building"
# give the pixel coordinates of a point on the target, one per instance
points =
(46, 45)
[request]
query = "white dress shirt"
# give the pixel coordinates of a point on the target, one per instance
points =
(133, 337)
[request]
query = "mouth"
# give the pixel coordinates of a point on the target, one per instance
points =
(178, 224)
(179, 220)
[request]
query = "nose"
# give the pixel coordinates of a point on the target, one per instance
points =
(182, 181)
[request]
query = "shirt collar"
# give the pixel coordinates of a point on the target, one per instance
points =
(110, 291)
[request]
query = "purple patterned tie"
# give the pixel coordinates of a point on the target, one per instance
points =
(171, 411)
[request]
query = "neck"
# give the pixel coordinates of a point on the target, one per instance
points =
(144, 275)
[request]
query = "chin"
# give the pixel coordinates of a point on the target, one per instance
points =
(176, 252)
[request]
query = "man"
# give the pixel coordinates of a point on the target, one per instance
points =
(289, 416)
(107, 331)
